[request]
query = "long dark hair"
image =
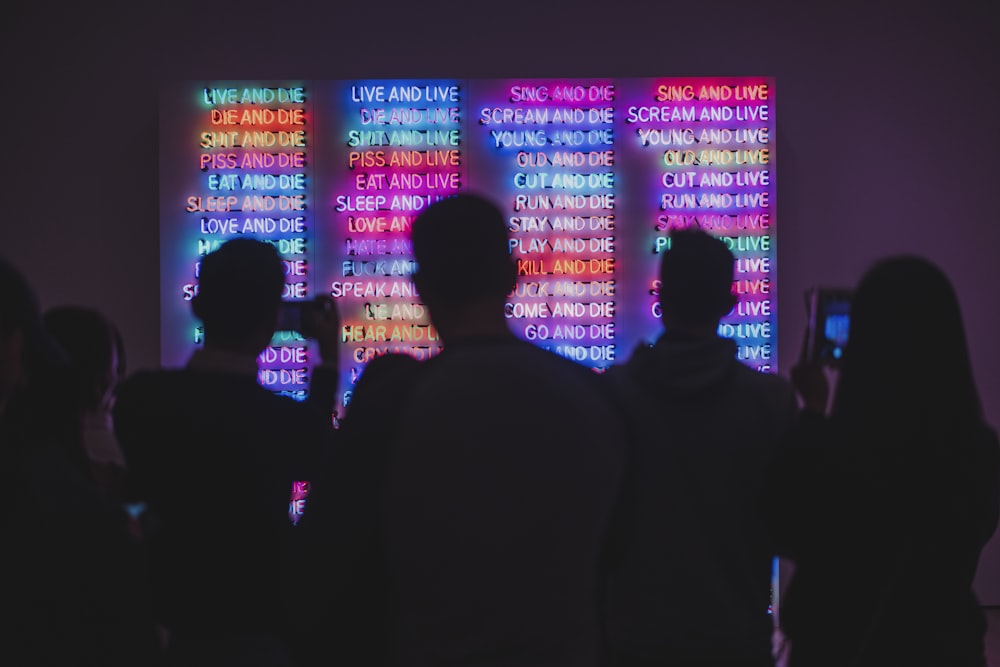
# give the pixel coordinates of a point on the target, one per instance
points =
(906, 367)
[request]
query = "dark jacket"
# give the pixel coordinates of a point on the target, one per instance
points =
(75, 589)
(498, 494)
(886, 536)
(214, 456)
(693, 564)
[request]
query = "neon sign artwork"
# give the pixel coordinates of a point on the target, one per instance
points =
(593, 175)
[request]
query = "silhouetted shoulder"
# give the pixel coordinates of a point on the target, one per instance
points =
(509, 371)
(766, 387)
(389, 372)
(377, 401)
(172, 414)
(165, 390)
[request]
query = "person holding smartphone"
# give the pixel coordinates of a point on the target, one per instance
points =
(885, 503)
(214, 455)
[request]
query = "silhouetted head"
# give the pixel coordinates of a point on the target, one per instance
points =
(696, 282)
(239, 294)
(27, 353)
(906, 359)
(460, 245)
(94, 349)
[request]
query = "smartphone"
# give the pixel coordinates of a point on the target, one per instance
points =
(829, 312)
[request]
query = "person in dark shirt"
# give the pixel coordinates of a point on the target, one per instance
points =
(690, 581)
(74, 590)
(884, 506)
(214, 456)
(502, 474)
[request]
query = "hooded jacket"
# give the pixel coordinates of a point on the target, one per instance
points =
(691, 569)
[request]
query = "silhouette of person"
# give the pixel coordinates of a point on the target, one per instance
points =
(95, 352)
(74, 590)
(885, 505)
(691, 577)
(215, 455)
(338, 549)
(502, 474)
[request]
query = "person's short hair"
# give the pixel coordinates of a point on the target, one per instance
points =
(460, 246)
(239, 288)
(696, 278)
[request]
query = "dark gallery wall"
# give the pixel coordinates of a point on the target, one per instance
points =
(886, 116)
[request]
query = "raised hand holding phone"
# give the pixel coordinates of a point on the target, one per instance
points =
(808, 376)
